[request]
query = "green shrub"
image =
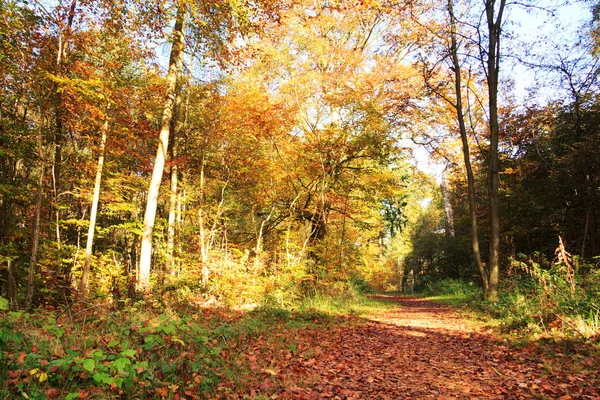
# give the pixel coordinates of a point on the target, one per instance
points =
(541, 295)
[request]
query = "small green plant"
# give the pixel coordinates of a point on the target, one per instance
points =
(4, 306)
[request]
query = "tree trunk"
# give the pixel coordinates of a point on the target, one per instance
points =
(259, 239)
(13, 299)
(448, 213)
(175, 66)
(35, 241)
(494, 22)
(588, 214)
(170, 259)
(170, 262)
(466, 152)
(59, 136)
(94, 210)
(202, 232)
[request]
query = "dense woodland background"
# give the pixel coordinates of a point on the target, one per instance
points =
(287, 130)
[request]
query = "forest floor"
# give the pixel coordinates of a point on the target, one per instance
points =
(385, 347)
(416, 350)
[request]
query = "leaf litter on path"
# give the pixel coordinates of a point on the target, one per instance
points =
(418, 350)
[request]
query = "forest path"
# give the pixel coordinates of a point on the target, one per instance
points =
(421, 350)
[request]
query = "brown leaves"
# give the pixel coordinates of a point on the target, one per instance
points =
(421, 350)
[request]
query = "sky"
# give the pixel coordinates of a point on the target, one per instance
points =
(553, 33)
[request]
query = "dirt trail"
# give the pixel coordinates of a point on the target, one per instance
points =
(420, 350)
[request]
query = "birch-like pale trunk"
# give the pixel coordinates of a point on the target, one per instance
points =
(94, 211)
(201, 233)
(175, 67)
(259, 239)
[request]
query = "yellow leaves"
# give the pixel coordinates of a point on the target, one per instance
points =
(40, 375)
(88, 87)
(43, 377)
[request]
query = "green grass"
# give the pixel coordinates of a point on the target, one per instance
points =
(525, 310)
(357, 305)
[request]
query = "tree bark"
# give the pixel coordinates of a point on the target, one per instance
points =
(93, 212)
(449, 214)
(38, 211)
(202, 232)
(175, 66)
(58, 134)
(494, 22)
(465, 150)
(35, 241)
(12, 287)
(170, 262)
(170, 259)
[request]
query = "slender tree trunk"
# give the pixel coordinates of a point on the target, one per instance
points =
(170, 264)
(175, 66)
(35, 241)
(12, 287)
(55, 182)
(466, 152)
(93, 212)
(588, 215)
(343, 233)
(202, 232)
(586, 231)
(38, 211)
(210, 241)
(259, 239)
(58, 135)
(449, 214)
(77, 246)
(181, 198)
(170, 259)
(494, 21)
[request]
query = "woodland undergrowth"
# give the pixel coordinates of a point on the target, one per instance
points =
(540, 299)
(152, 348)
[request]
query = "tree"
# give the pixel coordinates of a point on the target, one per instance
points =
(174, 71)
(94, 208)
(494, 12)
(455, 45)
